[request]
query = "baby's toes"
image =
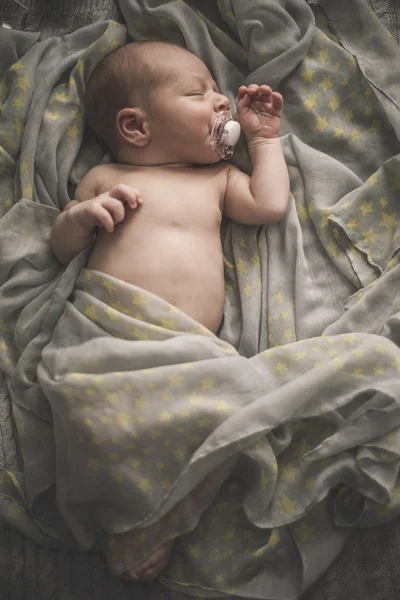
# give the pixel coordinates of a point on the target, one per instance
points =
(150, 574)
(130, 575)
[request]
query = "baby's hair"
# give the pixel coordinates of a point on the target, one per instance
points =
(125, 78)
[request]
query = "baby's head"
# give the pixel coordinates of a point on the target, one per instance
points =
(154, 103)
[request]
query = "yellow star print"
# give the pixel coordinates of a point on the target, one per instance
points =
(140, 403)
(323, 56)
(207, 383)
(352, 224)
(321, 124)
(25, 167)
(388, 221)
(23, 83)
(248, 290)
(378, 370)
(286, 505)
(368, 111)
(366, 208)
(311, 101)
(165, 416)
(53, 115)
(289, 473)
(288, 334)
(175, 380)
(370, 236)
(17, 67)
(241, 266)
(334, 103)
(326, 83)
(222, 406)
(348, 115)
(119, 307)
(168, 324)
(204, 423)
(111, 313)
(108, 285)
(73, 131)
(306, 533)
(140, 299)
(90, 313)
(281, 367)
(307, 75)
(18, 103)
(123, 419)
(61, 96)
(112, 398)
(338, 132)
(331, 249)
(139, 334)
(383, 201)
(357, 372)
(396, 364)
(396, 182)
(255, 259)
(28, 191)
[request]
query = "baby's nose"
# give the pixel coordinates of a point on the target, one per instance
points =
(221, 103)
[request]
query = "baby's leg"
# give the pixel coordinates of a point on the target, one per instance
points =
(152, 567)
(201, 496)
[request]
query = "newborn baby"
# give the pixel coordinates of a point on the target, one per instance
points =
(159, 206)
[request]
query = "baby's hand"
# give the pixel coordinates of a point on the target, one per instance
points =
(106, 210)
(259, 111)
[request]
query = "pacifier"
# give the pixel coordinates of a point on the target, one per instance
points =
(225, 134)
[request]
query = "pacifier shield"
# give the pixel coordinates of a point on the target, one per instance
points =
(225, 134)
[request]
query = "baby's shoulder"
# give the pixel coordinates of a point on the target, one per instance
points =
(97, 180)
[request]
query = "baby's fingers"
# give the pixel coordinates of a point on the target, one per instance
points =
(104, 219)
(126, 193)
(243, 99)
(277, 101)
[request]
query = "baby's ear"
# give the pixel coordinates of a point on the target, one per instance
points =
(133, 127)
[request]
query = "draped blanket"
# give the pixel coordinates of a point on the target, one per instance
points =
(260, 449)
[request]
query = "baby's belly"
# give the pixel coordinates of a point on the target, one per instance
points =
(184, 269)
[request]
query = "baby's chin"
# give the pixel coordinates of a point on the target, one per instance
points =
(211, 158)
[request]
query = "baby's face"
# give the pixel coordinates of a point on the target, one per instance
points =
(183, 109)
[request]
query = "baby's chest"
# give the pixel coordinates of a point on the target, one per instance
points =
(180, 203)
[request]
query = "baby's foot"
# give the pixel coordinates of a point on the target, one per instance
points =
(152, 567)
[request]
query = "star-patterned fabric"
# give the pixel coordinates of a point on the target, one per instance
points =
(260, 449)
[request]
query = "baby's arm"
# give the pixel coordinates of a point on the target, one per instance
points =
(263, 197)
(74, 228)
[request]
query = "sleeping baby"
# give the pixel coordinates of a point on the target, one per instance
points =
(158, 208)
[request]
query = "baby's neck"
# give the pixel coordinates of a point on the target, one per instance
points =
(172, 165)
(145, 159)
